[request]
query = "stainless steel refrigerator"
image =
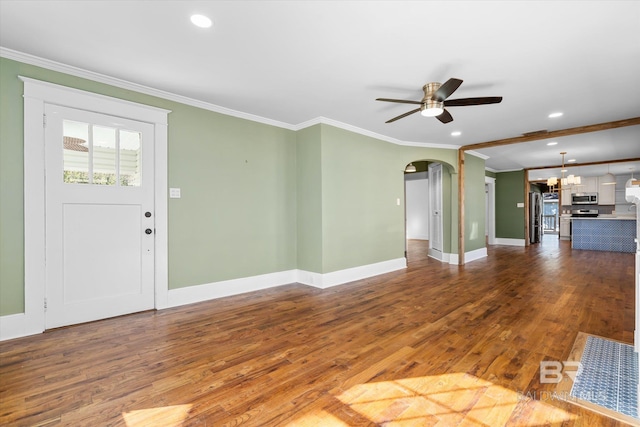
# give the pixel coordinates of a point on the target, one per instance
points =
(535, 217)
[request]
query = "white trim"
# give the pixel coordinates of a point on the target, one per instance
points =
(36, 94)
(340, 277)
(225, 288)
(365, 132)
(509, 242)
(440, 256)
(491, 220)
(209, 291)
(15, 326)
(475, 254)
(124, 84)
(476, 154)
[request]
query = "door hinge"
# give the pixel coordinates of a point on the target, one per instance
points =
(44, 120)
(45, 304)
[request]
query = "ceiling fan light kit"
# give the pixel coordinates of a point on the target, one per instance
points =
(432, 108)
(435, 100)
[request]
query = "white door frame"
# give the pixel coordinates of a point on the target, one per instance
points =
(491, 208)
(36, 94)
(435, 200)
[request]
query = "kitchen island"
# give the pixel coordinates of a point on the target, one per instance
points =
(613, 234)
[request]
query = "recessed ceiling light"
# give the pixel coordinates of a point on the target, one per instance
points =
(554, 115)
(201, 21)
(456, 133)
(552, 143)
(571, 161)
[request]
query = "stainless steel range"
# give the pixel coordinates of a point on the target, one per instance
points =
(584, 213)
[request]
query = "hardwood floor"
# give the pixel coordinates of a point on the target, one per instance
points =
(434, 344)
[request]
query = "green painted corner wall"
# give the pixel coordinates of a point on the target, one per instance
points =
(237, 215)
(509, 217)
(362, 221)
(474, 198)
(309, 199)
(256, 198)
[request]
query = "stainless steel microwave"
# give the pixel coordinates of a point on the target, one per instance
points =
(584, 198)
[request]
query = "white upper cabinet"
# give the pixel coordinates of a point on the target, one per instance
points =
(589, 185)
(606, 192)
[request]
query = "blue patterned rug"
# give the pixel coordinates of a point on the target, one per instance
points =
(609, 376)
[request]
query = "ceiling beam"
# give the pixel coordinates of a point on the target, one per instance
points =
(573, 165)
(554, 134)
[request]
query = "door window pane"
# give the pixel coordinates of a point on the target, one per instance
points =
(101, 155)
(104, 155)
(75, 152)
(130, 158)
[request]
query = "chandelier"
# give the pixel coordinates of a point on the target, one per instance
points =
(565, 182)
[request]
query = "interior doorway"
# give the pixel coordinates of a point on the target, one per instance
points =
(416, 190)
(550, 214)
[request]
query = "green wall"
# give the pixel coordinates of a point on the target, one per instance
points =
(362, 222)
(309, 200)
(256, 199)
(474, 202)
(237, 215)
(509, 217)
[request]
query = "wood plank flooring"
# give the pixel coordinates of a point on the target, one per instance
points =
(435, 344)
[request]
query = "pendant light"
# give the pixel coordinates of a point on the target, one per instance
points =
(410, 168)
(630, 183)
(609, 178)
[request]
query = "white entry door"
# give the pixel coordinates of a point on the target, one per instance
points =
(435, 203)
(99, 216)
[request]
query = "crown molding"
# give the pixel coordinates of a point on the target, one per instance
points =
(124, 84)
(476, 154)
(365, 132)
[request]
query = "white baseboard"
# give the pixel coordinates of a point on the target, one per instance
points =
(475, 254)
(509, 242)
(453, 258)
(208, 291)
(17, 325)
(418, 237)
(340, 277)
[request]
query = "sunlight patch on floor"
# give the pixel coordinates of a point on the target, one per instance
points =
(447, 399)
(169, 416)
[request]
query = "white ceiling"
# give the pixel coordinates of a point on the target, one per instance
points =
(293, 62)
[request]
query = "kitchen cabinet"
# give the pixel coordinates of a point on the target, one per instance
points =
(606, 192)
(589, 184)
(565, 227)
(566, 196)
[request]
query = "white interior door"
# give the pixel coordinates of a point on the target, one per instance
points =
(435, 204)
(99, 216)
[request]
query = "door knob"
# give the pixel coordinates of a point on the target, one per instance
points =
(148, 231)
(147, 214)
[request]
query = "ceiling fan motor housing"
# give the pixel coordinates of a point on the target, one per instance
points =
(429, 89)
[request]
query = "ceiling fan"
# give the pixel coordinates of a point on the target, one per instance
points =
(435, 99)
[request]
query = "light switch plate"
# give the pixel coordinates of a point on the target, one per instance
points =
(520, 205)
(174, 193)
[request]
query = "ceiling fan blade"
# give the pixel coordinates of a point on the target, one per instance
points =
(402, 101)
(445, 117)
(472, 101)
(446, 89)
(401, 116)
